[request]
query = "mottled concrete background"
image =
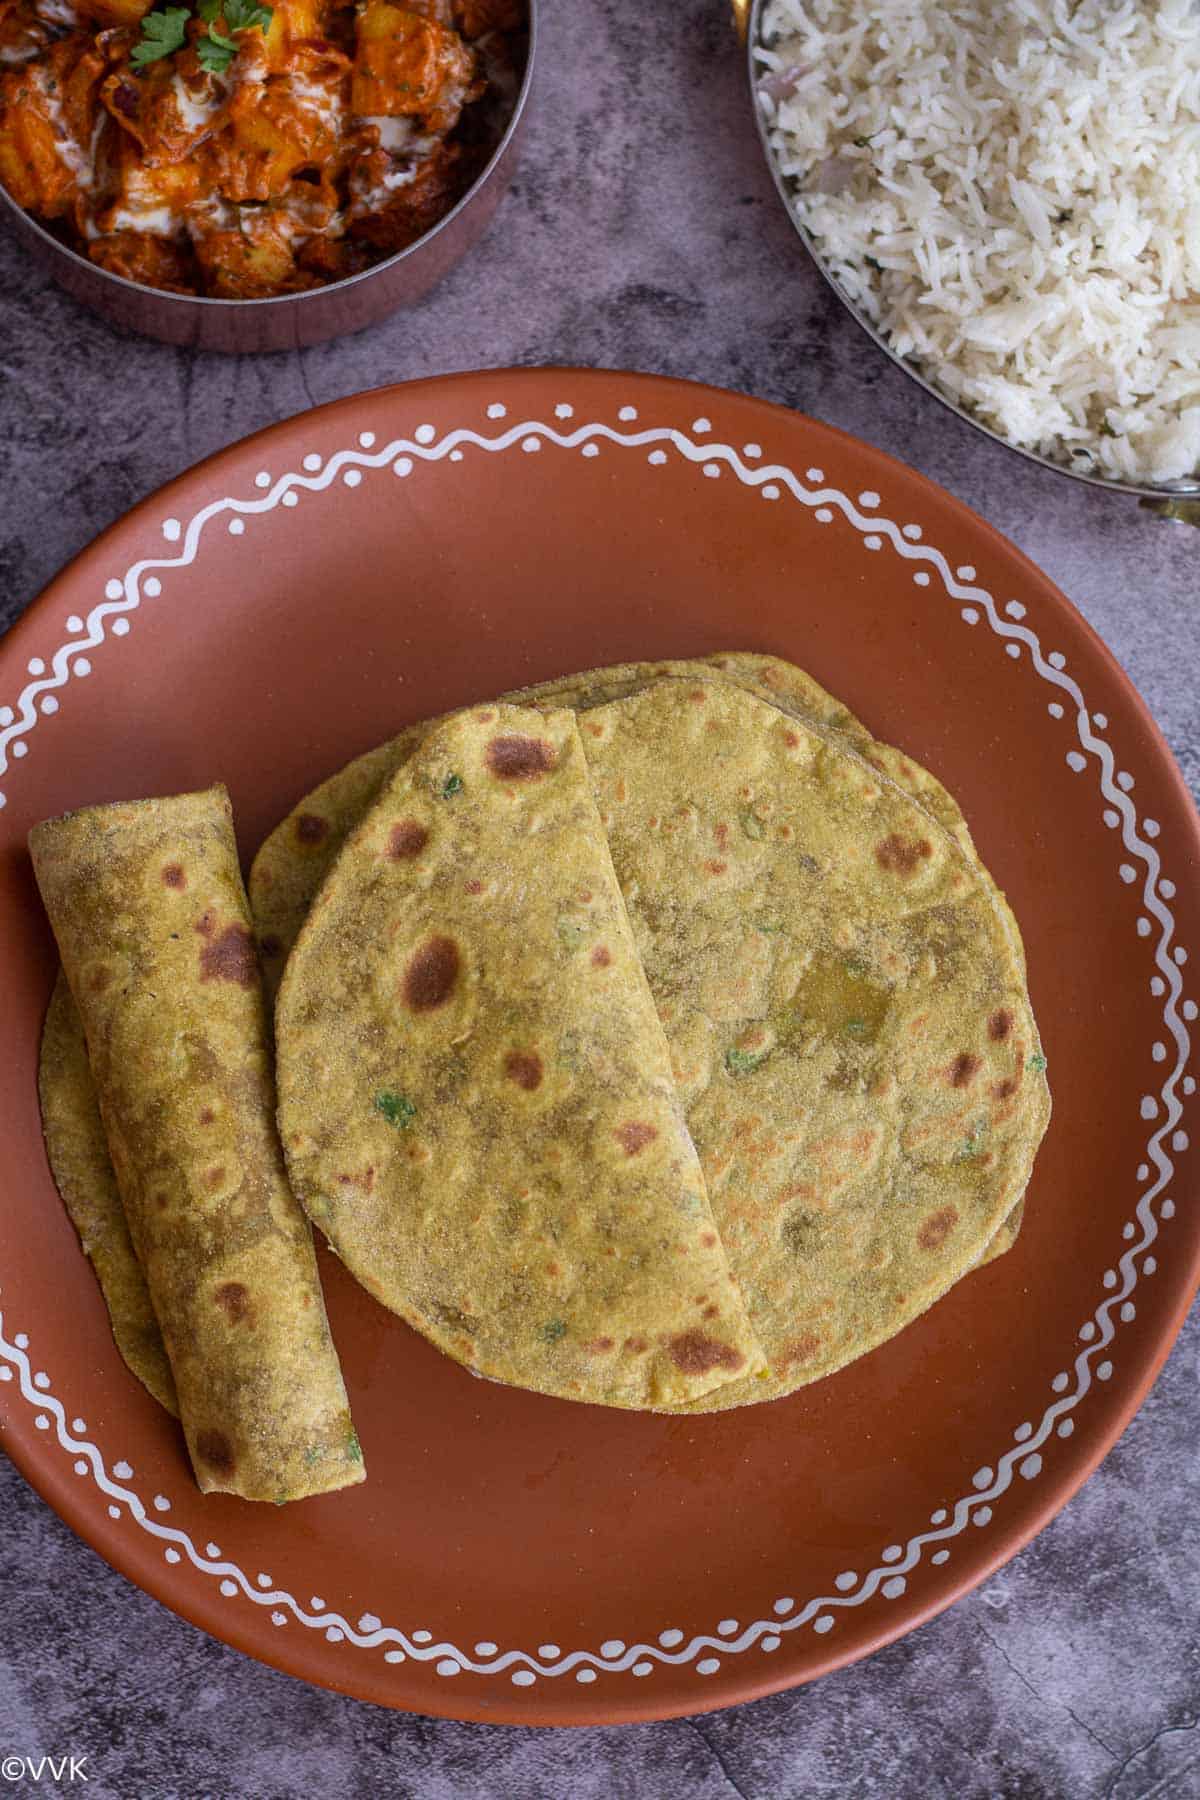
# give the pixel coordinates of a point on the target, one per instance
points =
(642, 233)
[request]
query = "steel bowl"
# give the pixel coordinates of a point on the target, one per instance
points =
(290, 321)
(1176, 500)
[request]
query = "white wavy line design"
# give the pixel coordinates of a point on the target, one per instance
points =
(889, 1577)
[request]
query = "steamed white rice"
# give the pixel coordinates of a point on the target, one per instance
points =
(1011, 192)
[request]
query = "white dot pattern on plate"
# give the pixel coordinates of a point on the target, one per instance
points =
(966, 573)
(982, 1515)
(486, 1649)
(846, 1580)
(657, 458)
(523, 1678)
(229, 1588)
(402, 466)
(712, 470)
(784, 1605)
(669, 1639)
(628, 413)
(312, 461)
(823, 515)
(367, 439)
(1143, 928)
(120, 629)
(1065, 1427)
(983, 1477)
(425, 434)
(893, 1553)
(1076, 761)
(563, 411)
(392, 1656)
(940, 1556)
(752, 451)
(770, 491)
(1150, 827)
(81, 666)
(613, 1647)
(1015, 610)
(1149, 1107)
(447, 1667)
(1022, 1432)
(701, 425)
(122, 1471)
(727, 1628)
(591, 450)
(1013, 650)
(770, 1642)
(549, 1652)
(1031, 1468)
(1087, 1331)
(873, 543)
(236, 527)
(531, 445)
(171, 530)
(912, 532)
(824, 1623)
(49, 704)
(921, 578)
(495, 411)
(262, 479)
(585, 1675)
(291, 498)
(894, 1587)
(814, 474)
(970, 616)
(113, 589)
(352, 477)
(870, 500)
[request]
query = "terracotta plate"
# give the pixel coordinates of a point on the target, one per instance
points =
(516, 1558)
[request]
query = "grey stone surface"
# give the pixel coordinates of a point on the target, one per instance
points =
(642, 233)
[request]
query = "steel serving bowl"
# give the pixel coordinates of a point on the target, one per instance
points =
(1176, 500)
(290, 321)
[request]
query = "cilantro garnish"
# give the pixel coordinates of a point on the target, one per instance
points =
(752, 825)
(742, 1062)
(452, 785)
(165, 32)
(553, 1331)
(397, 1109)
(856, 1027)
(354, 1448)
(215, 52)
(162, 34)
(1037, 1062)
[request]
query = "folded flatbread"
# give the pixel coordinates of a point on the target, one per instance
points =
(475, 1091)
(148, 908)
(850, 1032)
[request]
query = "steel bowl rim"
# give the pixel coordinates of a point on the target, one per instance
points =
(345, 282)
(1184, 489)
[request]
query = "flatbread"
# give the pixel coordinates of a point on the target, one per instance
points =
(79, 1161)
(152, 923)
(475, 1091)
(850, 1035)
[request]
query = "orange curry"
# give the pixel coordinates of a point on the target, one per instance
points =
(242, 150)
